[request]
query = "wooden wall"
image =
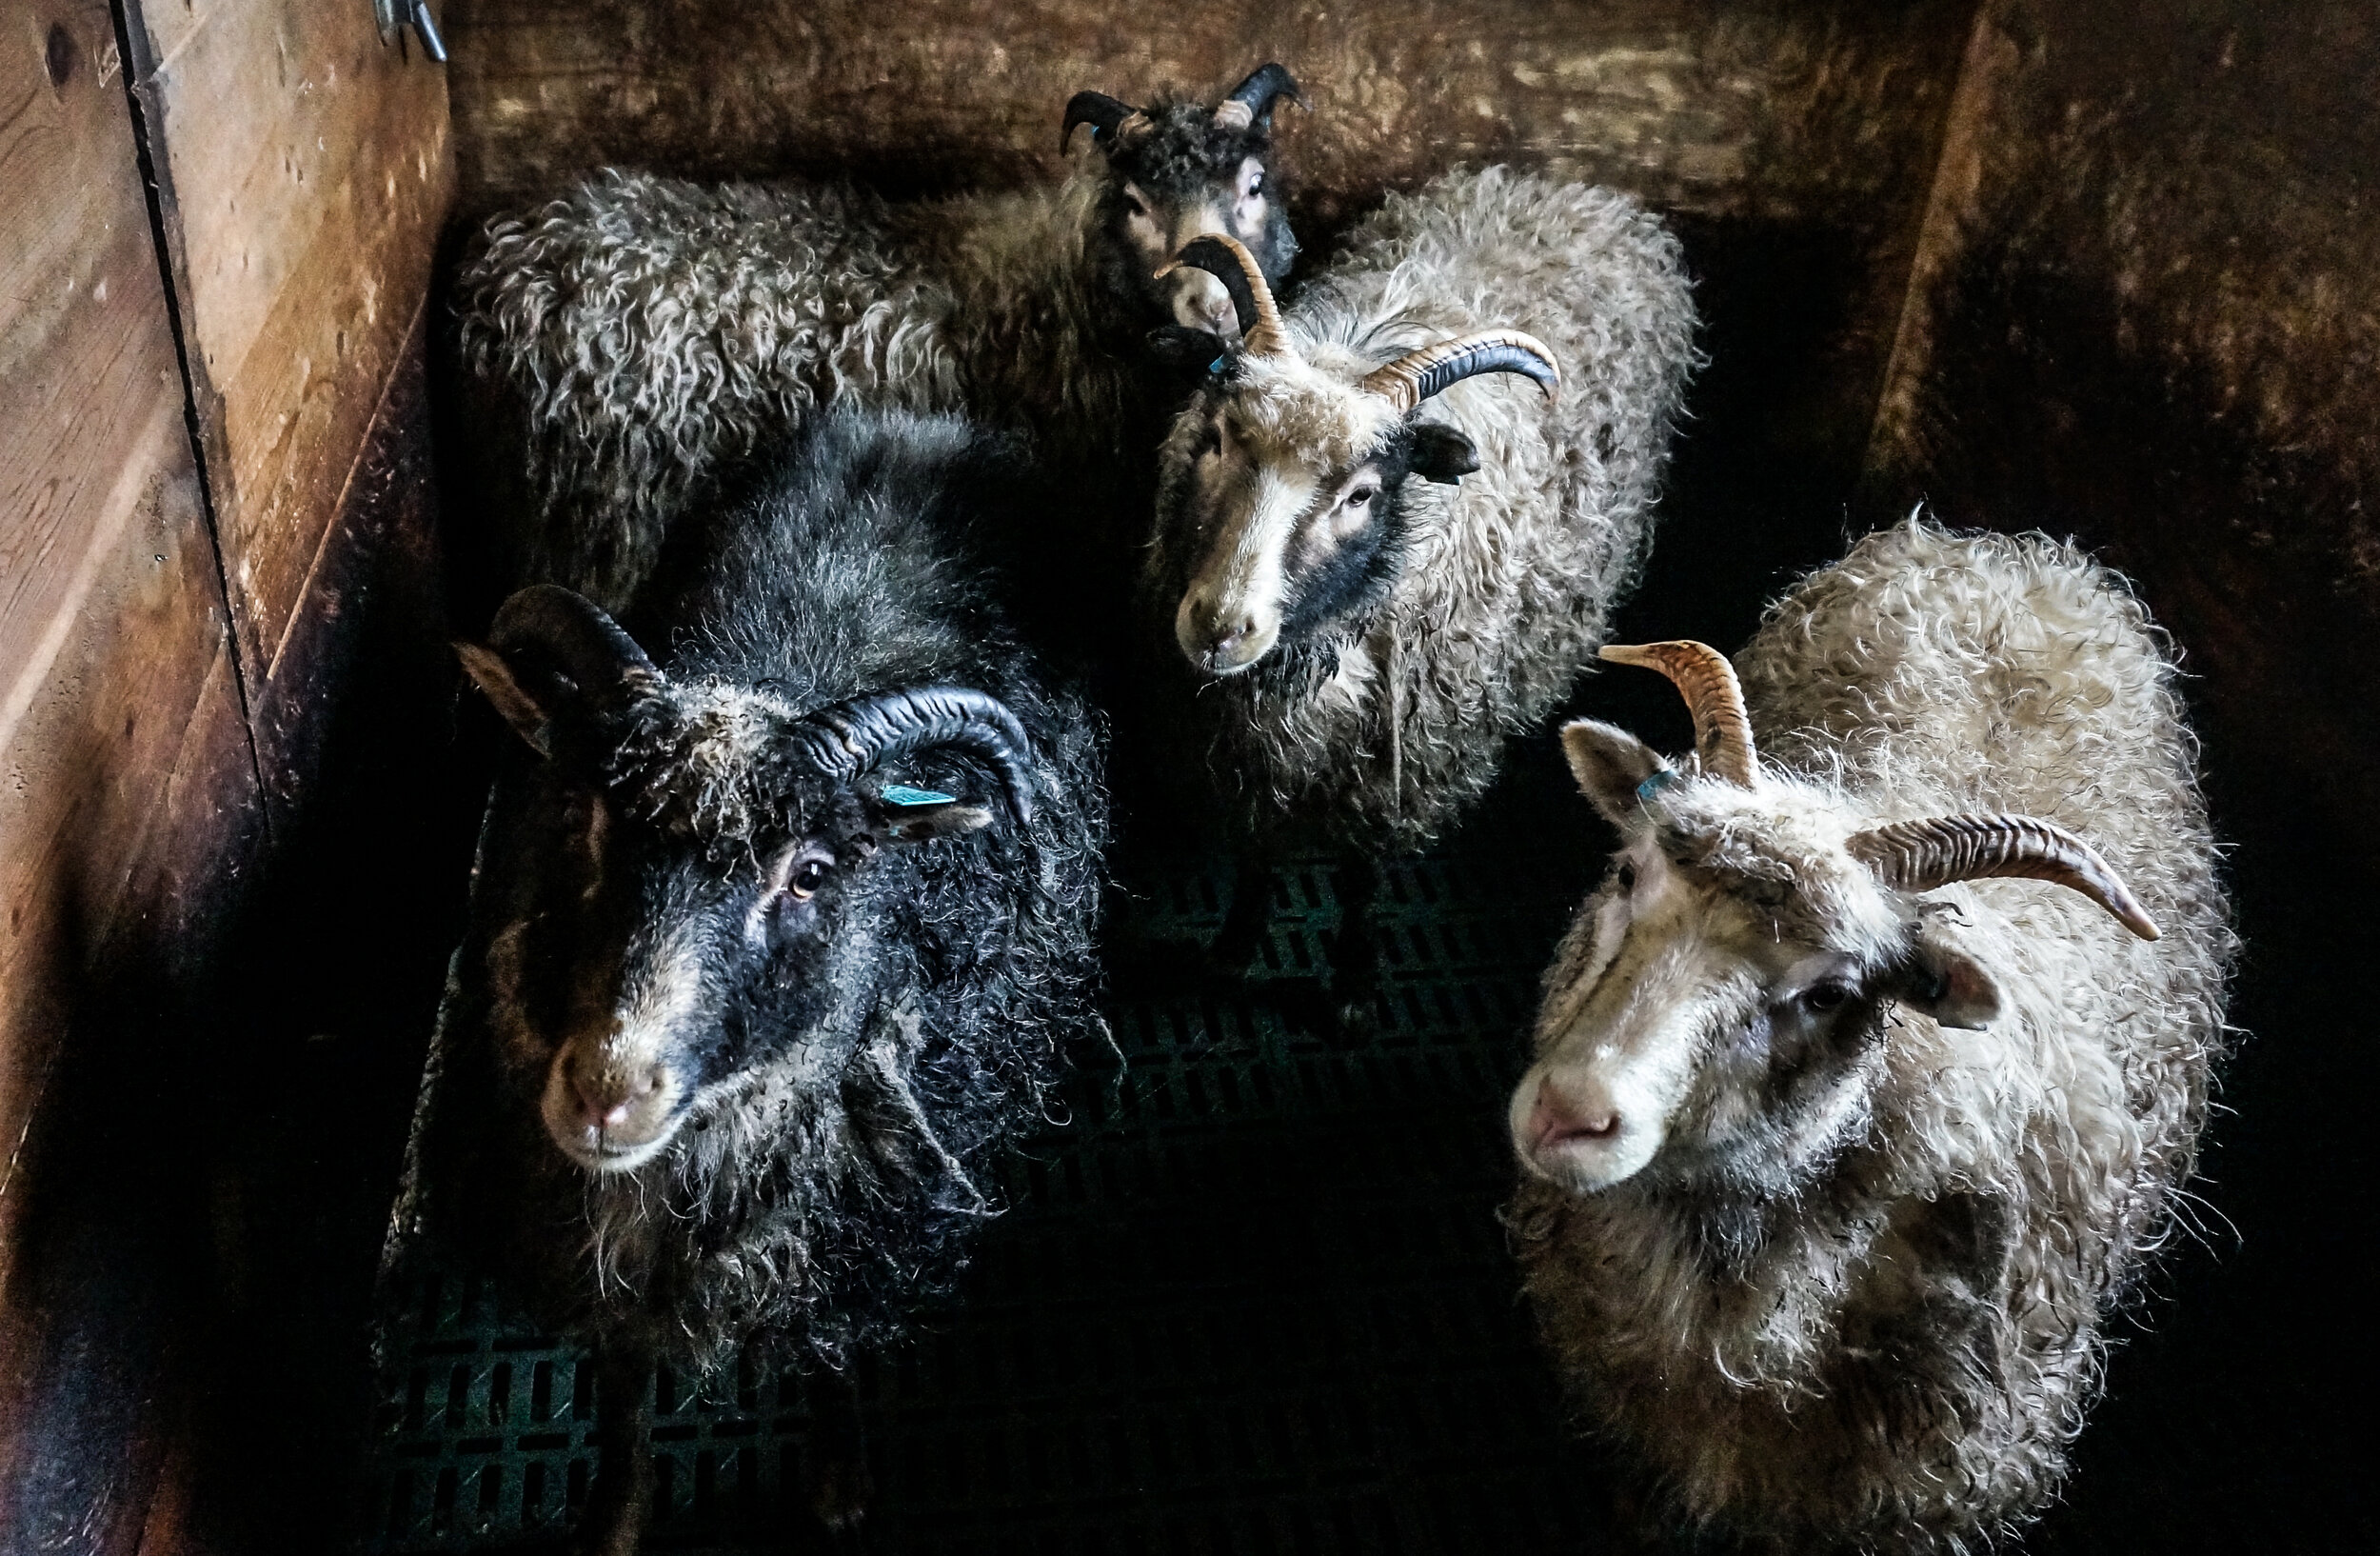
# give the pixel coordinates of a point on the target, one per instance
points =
(2147, 312)
(303, 174)
(127, 768)
(215, 257)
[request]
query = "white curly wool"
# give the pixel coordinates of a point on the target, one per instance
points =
(637, 334)
(1383, 726)
(1778, 1392)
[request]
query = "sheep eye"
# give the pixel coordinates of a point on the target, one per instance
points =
(1255, 186)
(1134, 205)
(1627, 876)
(806, 878)
(1823, 997)
(1363, 497)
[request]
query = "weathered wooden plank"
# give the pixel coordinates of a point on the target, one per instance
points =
(110, 618)
(128, 793)
(1712, 108)
(303, 173)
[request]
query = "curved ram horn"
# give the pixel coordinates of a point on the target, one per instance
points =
(1105, 115)
(1251, 102)
(1920, 855)
(576, 637)
(849, 738)
(1228, 260)
(1417, 376)
(1722, 732)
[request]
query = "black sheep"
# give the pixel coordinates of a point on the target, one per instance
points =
(776, 935)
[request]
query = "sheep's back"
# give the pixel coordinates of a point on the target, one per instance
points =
(630, 338)
(1931, 672)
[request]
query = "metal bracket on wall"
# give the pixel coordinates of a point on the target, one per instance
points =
(394, 16)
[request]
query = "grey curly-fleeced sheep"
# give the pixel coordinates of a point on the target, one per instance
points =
(625, 344)
(1379, 699)
(1851, 1128)
(777, 934)
(1375, 639)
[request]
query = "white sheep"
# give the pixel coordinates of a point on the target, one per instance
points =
(631, 340)
(1844, 1138)
(1375, 638)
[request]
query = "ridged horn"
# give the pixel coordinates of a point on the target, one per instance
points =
(1920, 855)
(554, 630)
(1251, 102)
(1702, 674)
(1227, 259)
(847, 739)
(1417, 376)
(1105, 115)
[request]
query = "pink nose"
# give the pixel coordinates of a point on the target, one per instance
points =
(1555, 1119)
(606, 1100)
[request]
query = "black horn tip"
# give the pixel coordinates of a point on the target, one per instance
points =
(1491, 359)
(1264, 84)
(1096, 109)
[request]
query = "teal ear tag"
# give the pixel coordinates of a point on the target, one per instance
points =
(902, 794)
(1661, 780)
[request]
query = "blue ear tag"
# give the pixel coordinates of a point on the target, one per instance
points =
(1216, 366)
(902, 794)
(1661, 779)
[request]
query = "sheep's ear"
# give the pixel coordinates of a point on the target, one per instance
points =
(489, 671)
(1191, 351)
(1950, 985)
(1611, 765)
(1442, 454)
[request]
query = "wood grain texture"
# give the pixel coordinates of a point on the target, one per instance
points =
(126, 780)
(304, 171)
(112, 623)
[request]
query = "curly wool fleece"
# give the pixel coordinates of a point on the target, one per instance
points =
(1797, 1382)
(1382, 727)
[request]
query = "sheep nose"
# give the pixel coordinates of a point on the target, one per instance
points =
(608, 1098)
(1224, 646)
(1219, 640)
(1558, 1119)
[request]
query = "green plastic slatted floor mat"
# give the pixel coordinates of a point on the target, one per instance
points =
(1252, 1297)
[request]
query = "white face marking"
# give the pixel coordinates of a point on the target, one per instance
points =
(1230, 616)
(1618, 1042)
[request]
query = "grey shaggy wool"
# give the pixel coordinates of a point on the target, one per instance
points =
(855, 1091)
(1762, 1362)
(633, 340)
(1382, 725)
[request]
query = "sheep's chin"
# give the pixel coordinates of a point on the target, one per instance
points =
(585, 1149)
(1579, 1169)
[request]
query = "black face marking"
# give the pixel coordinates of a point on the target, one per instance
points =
(609, 902)
(1334, 577)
